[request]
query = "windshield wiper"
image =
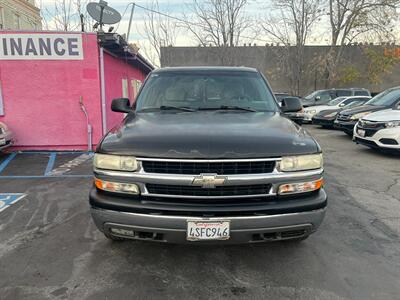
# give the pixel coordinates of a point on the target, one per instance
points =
(228, 107)
(183, 108)
(168, 107)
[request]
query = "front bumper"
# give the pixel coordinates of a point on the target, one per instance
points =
(306, 117)
(379, 138)
(323, 121)
(296, 117)
(6, 140)
(347, 127)
(278, 220)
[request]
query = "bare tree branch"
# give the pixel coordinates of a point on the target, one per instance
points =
(218, 22)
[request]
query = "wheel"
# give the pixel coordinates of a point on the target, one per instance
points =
(113, 238)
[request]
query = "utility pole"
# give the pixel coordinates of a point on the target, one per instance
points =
(130, 21)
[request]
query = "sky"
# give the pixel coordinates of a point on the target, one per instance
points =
(259, 9)
(171, 7)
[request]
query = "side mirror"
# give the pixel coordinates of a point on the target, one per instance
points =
(291, 105)
(121, 105)
(317, 98)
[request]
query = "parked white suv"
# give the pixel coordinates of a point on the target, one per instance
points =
(379, 130)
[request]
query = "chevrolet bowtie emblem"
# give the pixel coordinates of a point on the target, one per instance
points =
(208, 181)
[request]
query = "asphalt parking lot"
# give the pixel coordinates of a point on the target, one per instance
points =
(50, 249)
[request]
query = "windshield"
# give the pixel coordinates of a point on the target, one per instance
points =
(336, 101)
(386, 98)
(311, 96)
(205, 90)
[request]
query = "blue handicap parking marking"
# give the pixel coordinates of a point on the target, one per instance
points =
(6, 199)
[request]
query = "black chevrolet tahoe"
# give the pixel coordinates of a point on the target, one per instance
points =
(206, 155)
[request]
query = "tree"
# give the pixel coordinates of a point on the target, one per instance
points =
(218, 22)
(65, 15)
(290, 23)
(159, 31)
(351, 20)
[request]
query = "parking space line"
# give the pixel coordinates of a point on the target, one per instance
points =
(50, 163)
(4, 164)
(48, 173)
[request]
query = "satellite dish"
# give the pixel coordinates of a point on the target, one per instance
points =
(103, 13)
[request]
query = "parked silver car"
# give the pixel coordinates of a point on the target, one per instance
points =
(6, 136)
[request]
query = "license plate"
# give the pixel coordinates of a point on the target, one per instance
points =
(198, 230)
(361, 132)
(2, 142)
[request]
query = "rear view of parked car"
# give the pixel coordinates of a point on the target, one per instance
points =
(322, 97)
(379, 130)
(5, 136)
(347, 119)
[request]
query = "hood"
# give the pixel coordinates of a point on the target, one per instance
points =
(384, 116)
(318, 108)
(328, 111)
(207, 134)
(362, 108)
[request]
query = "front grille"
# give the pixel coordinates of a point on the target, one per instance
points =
(237, 190)
(343, 117)
(371, 125)
(368, 132)
(221, 168)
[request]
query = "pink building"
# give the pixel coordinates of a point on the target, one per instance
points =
(45, 76)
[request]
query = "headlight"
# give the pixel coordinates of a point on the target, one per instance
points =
(392, 124)
(311, 112)
(115, 162)
(334, 114)
(300, 163)
(359, 115)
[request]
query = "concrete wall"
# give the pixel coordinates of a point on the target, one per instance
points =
(19, 15)
(271, 61)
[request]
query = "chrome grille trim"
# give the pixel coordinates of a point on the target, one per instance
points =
(208, 160)
(209, 197)
(275, 178)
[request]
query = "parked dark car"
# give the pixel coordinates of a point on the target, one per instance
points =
(205, 155)
(326, 118)
(347, 119)
(321, 97)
